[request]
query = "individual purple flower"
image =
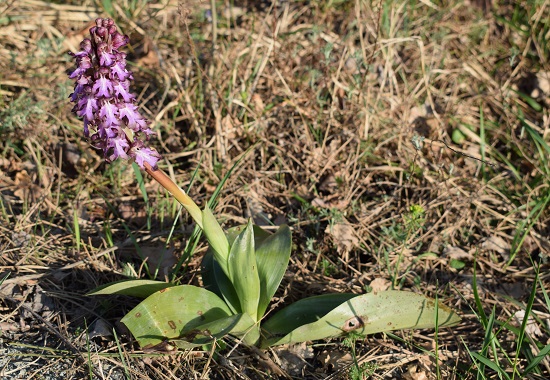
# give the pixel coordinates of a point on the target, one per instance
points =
(103, 99)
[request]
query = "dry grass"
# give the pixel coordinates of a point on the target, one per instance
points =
(338, 96)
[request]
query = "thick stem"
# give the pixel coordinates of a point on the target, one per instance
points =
(177, 192)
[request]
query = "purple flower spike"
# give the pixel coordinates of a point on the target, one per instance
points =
(103, 99)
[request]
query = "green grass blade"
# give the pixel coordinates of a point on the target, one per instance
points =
(141, 183)
(479, 304)
(534, 216)
(131, 235)
(528, 308)
(193, 240)
(76, 226)
(121, 356)
(214, 198)
(543, 354)
(491, 364)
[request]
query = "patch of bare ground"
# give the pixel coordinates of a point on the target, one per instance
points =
(404, 143)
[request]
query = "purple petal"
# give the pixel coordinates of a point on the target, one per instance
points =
(108, 23)
(100, 33)
(131, 113)
(109, 112)
(84, 62)
(121, 89)
(119, 70)
(106, 58)
(142, 126)
(81, 87)
(107, 132)
(84, 80)
(144, 154)
(120, 146)
(78, 90)
(103, 87)
(77, 72)
(88, 107)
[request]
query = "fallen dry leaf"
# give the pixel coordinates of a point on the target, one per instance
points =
(257, 104)
(100, 329)
(414, 374)
(131, 213)
(380, 284)
(8, 327)
(344, 237)
(531, 328)
(292, 357)
(456, 253)
(335, 360)
(497, 244)
(159, 258)
(26, 189)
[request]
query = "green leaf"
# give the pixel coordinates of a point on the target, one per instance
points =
(216, 281)
(134, 288)
(243, 271)
(259, 234)
(368, 314)
(172, 312)
(213, 276)
(302, 312)
(238, 325)
(457, 264)
(216, 237)
(457, 136)
(272, 257)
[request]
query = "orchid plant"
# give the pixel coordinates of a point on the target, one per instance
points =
(243, 266)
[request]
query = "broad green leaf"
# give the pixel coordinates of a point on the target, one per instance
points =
(243, 324)
(304, 311)
(237, 325)
(272, 256)
(233, 232)
(216, 281)
(216, 237)
(372, 313)
(172, 312)
(134, 288)
(251, 336)
(259, 234)
(243, 271)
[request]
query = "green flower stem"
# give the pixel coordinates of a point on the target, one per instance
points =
(177, 192)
